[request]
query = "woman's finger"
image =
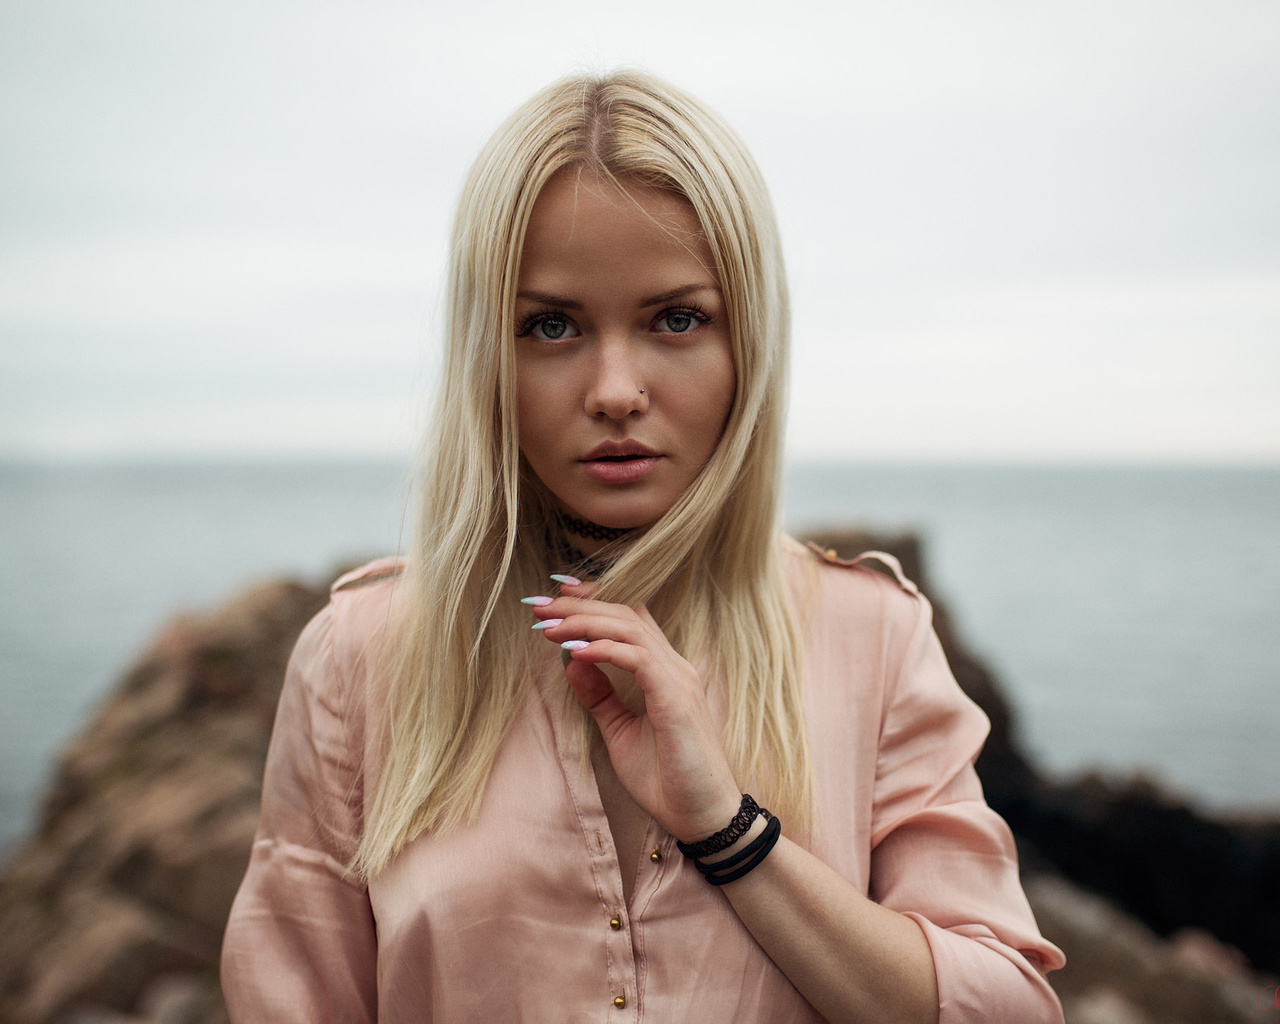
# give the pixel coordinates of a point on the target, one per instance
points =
(631, 658)
(571, 586)
(593, 689)
(565, 605)
(597, 626)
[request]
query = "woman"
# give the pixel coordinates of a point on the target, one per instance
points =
(450, 832)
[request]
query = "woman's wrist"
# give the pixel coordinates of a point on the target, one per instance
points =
(738, 848)
(753, 832)
(728, 828)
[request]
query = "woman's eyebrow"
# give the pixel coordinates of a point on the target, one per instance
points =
(656, 300)
(677, 293)
(549, 300)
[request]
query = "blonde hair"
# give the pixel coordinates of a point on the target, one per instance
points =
(460, 658)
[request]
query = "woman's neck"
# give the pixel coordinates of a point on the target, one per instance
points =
(587, 536)
(576, 542)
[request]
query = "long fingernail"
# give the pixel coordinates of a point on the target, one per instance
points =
(560, 577)
(546, 623)
(576, 645)
(537, 602)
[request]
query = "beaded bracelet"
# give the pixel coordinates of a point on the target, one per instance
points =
(727, 836)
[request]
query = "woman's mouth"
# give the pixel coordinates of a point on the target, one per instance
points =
(620, 462)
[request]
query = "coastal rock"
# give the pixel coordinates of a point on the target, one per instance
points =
(1119, 971)
(114, 910)
(1158, 858)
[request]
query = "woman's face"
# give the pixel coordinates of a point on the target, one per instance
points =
(624, 368)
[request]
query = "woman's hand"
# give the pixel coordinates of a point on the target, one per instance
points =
(851, 958)
(670, 758)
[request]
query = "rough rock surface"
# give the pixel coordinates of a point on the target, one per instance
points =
(114, 910)
(112, 913)
(1119, 971)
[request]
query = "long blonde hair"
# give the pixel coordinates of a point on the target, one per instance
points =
(460, 657)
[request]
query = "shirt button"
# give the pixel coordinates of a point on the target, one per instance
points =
(614, 923)
(620, 1002)
(656, 855)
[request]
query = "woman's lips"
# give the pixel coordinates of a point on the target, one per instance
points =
(625, 470)
(621, 461)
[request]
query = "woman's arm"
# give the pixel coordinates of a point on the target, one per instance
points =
(300, 944)
(853, 958)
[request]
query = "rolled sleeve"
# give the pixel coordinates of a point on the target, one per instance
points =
(301, 943)
(941, 856)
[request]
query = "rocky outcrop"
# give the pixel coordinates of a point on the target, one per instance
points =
(1159, 859)
(114, 910)
(112, 913)
(1119, 972)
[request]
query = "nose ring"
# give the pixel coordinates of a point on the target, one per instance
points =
(642, 391)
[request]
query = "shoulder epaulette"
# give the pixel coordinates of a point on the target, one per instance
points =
(374, 572)
(865, 562)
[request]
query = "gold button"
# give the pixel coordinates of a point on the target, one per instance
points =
(614, 923)
(620, 1002)
(656, 855)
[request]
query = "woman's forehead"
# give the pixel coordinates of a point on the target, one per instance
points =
(577, 187)
(581, 220)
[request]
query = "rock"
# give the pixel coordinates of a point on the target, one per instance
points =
(106, 950)
(1159, 859)
(114, 911)
(183, 999)
(1119, 970)
(1103, 1006)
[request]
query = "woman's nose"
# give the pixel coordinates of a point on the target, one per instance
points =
(616, 389)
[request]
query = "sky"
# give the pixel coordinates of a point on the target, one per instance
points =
(1020, 232)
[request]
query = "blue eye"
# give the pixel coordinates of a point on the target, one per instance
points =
(546, 326)
(681, 321)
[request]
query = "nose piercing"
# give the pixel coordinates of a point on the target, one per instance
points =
(642, 391)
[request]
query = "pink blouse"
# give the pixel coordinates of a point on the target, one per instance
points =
(520, 916)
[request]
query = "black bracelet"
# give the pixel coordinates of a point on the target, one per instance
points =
(732, 868)
(727, 836)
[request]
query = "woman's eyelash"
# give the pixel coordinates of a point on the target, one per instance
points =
(693, 311)
(531, 320)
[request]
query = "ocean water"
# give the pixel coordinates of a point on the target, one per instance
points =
(1132, 613)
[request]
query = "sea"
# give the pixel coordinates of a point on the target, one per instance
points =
(1132, 613)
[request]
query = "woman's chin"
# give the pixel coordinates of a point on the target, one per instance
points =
(611, 516)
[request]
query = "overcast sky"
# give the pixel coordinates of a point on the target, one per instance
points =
(1014, 230)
